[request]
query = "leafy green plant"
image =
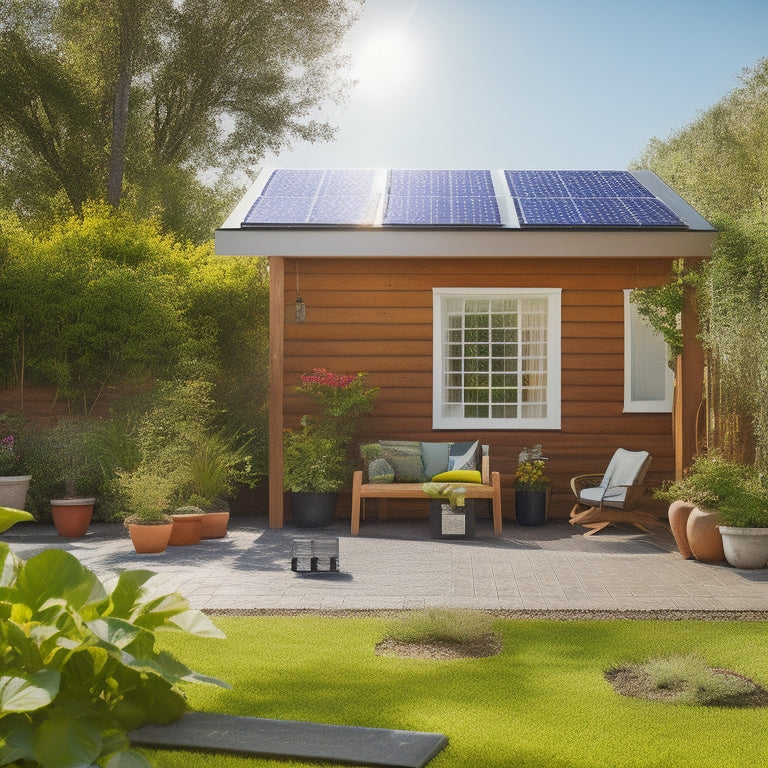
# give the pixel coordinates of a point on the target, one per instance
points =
(440, 625)
(738, 492)
(80, 665)
(317, 457)
(147, 496)
(313, 461)
(216, 464)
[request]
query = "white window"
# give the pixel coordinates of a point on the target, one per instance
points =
(648, 379)
(496, 358)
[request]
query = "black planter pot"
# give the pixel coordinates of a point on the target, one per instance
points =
(313, 510)
(530, 507)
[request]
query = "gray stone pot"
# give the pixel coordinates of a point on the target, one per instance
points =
(745, 547)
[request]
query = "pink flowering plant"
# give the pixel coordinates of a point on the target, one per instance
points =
(316, 456)
(340, 399)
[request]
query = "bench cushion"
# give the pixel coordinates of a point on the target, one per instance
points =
(459, 476)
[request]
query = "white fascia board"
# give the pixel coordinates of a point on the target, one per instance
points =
(444, 243)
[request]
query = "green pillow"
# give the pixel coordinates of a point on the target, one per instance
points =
(434, 457)
(459, 476)
(380, 471)
(405, 458)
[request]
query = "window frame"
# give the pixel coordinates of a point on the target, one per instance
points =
(554, 344)
(643, 406)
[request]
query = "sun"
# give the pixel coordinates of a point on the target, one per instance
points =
(386, 62)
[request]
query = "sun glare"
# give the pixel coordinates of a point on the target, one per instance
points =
(385, 62)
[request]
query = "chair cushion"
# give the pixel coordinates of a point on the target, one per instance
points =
(614, 497)
(624, 468)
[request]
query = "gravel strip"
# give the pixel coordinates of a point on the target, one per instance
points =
(583, 615)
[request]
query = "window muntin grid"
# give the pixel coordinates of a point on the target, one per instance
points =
(495, 360)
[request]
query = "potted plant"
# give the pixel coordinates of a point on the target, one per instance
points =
(71, 443)
(315, 468)
(317, 457)
(706, 486)
(13, 483)
(146, 499)
(216, 464)
(532, 487)
(187, 526)
(744, 522)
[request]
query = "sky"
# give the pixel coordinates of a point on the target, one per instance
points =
(540, 84)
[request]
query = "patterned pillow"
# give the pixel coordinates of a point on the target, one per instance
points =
(463, 455)
(405, 458)
(380, 471)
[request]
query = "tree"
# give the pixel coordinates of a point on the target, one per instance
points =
(105, 95)
(719, 163)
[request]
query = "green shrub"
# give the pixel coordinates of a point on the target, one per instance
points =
(440, 625)
(80, 667)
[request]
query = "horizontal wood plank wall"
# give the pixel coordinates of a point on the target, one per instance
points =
(375, 315)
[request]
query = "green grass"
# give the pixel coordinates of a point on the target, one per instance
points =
(542, 702)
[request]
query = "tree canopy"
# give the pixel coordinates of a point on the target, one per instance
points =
(719, 163)
(138, 100)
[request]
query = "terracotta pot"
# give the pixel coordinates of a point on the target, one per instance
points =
(704, 538)
(13, 491)
(150, 539)
(215, 525)
(745, 547)
(72, 516)
(187, 529)
(679, 512)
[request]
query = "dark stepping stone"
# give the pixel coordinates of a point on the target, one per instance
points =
(291, 738)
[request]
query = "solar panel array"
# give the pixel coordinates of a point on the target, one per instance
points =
(586, 198)
(441, 198)
(457, 198)
(316, 197)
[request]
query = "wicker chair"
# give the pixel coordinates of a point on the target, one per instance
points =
(613, 496)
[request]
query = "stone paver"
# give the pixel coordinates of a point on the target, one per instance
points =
(395, 565)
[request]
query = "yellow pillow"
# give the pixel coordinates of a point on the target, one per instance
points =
(459, 476)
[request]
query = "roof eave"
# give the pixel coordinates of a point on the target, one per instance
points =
(452, 243)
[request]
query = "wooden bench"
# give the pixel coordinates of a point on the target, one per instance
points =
(490, 488)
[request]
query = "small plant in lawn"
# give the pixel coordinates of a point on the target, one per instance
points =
(440, 625)
(686, 680)
(79, 664)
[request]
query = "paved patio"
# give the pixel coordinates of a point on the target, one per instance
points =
(395, 565)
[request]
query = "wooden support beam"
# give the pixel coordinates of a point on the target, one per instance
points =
(688, 386)
(276, 353)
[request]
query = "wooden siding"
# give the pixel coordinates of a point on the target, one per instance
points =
(375, 315)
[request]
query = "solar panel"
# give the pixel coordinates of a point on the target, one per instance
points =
(586, 198)
(441, 197)
(315, 197)
(458, 198)
(535, 184)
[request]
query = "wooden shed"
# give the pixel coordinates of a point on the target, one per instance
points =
(491, 304)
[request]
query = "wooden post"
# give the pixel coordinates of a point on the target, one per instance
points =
(276, 350)
(688, 386)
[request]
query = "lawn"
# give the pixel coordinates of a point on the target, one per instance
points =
(543, 702)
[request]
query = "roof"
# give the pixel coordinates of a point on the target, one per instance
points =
(483, 212)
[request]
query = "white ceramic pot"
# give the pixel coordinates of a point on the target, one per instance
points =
(13, 491)
(745, 547)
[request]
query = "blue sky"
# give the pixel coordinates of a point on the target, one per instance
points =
(535, 84)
